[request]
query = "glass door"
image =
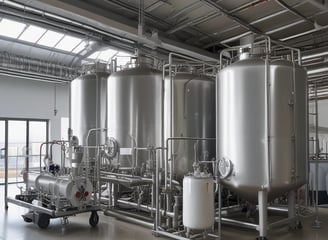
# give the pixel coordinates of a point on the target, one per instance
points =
(38, 134)
(21, 145)
(17, 150)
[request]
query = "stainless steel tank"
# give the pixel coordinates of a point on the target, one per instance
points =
(193, 116)
(262, 136)
(134, 112)
(88, 108)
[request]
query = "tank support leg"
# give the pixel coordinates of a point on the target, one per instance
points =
(291, 208)
(263, 214)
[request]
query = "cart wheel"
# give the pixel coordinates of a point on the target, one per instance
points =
(299, 225)
(43, 220)
(94, 219)
(27, 219)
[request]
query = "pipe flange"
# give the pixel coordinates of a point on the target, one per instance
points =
(112, 145)
(225, 168)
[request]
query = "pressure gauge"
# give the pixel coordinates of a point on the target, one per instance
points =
(112, 147)
(225, 168)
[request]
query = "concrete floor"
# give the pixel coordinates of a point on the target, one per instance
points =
(12, 227)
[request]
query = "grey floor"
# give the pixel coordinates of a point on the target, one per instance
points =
(12, 227)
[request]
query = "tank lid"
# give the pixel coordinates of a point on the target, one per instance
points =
(197, 174)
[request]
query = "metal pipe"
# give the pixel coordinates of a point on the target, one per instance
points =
(217, 173)
(291, 205)
(141, 15)
(278, 209)
(267, 118)
(238, 223)
(105, 28)
(128, 219)
(131, 214)
(230, 209)
(125, 175)
(153, 189)
(130, 181)
(219, 218)
(263, 215)
(145, 207)
(316, 223)
(6, 165)
(281, 222)
(156, 224)
(170, 235)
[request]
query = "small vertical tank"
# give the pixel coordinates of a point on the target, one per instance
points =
(198, 201)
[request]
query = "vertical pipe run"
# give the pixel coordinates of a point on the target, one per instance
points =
(6, 164)
(156, 192)
(291, 205)
(263, 214)
(307, 168)
(216, 172)
(316, 223)
(267, 117)
(141, 19)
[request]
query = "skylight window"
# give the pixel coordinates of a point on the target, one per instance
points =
(10, 28)
(106, 55)
(80, 47)
(50, 38)
(68, 43)
(32, 34)
(94, 55)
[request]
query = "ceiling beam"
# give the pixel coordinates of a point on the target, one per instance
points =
(295, 12)
(222, 10)
(268, 17)
(88, 19)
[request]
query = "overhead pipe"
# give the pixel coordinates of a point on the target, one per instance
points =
(318, 70)
(108, 27)
(33, 77)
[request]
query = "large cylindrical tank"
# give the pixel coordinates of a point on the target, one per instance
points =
(262, 136)
(88, 108)
(193, 116)
(134, 112)
(198, 201)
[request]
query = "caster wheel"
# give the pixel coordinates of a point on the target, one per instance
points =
(43, 221)
(299, 225)
(27, 219)
(94, 219)
(261, 238)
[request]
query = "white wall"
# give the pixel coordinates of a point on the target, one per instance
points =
(22, 98)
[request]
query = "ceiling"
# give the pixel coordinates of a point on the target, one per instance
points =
(198, 28)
